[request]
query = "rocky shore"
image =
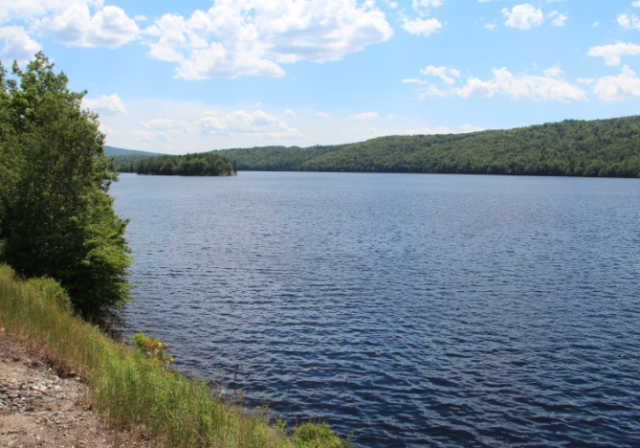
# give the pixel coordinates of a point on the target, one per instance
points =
(43, 408)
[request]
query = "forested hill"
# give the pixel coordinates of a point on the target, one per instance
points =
(570, 148)
(110, 151)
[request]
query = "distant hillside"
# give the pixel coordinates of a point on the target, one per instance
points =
(113, 151)
(609, 148)
(124, 158)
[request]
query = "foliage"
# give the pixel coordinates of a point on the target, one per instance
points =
(206, 164)
(606, 148)
(312, 435)
(56, 217)
(134, 392)
(151, 347)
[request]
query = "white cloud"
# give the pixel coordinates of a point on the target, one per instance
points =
(558, 19)
(595, 24)
(365, 116)
(165, 124)
(106, 130)
(252, 37)
(490, 26)
(322, 114)
(469, 128)
(433, 131)
(615, 89)
(586, 80)
(162, 129)
(444, 73)
(523, 16)
(462, 129)
(140, 18)
(636, 4)
(426, 3)
(148, 136)
(257, 123)
(109, 26)
(419, 26)
(628, 21)
(108, 105)
(17, 44)
(31, 9)
(612, 53)
(553, 72)
(289, 113)
(522, 87)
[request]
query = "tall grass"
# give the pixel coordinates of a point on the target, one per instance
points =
(131, 391)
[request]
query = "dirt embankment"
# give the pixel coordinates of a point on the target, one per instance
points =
(38, 408)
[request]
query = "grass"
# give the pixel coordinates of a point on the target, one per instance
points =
(132, 391)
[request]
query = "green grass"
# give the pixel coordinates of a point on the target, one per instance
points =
(133, 392)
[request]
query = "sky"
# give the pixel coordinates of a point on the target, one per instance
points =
(192, 76)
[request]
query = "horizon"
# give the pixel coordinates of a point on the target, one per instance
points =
(203, 75)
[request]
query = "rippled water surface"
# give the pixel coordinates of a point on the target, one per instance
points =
(411, 310)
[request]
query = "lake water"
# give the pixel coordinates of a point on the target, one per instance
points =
(410, 310)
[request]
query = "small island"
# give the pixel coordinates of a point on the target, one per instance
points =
(205, 164)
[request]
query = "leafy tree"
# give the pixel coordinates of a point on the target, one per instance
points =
(56, 217)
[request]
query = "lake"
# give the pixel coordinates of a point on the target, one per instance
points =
(407, 309)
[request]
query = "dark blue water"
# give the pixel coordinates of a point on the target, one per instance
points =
(409, 310)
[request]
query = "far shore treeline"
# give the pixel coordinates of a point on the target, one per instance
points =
(205, 164)
(604, 148)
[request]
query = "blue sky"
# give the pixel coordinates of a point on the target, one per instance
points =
(192, 76)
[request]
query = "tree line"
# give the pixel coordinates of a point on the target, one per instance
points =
(203, 164)
(605, 148)
(56, 216)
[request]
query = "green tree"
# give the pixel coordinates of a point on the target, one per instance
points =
(56, 217)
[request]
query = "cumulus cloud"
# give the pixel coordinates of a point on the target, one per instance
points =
(447, 75)
(106, 130)
(553, 72)
(18, 45)
(253, 37)
(426, 3)
(257, 123)
(289, 113)
(465, 128)
(627, 21)
(365, 115)
(523, 16)
(615, 89)
(558, 18)
(165, 124)
(142, 135)
(32, 9)
(521, 87)
(462, 129)
(74, 26)
(107, 105)
(612, 53)
(424, 27)
(444, 73)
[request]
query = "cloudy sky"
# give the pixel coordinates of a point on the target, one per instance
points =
(193, 76)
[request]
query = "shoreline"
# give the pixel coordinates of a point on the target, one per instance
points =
(41, 408)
